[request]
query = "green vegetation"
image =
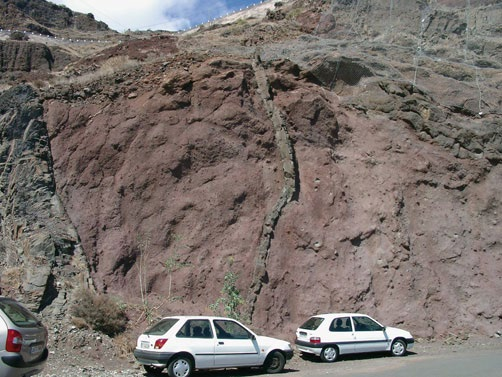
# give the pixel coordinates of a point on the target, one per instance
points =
(173, 262)
(143, 252)
(231, 299)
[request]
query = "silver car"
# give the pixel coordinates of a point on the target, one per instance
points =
(23, 341)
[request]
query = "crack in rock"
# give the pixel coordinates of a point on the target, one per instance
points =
(290, 188)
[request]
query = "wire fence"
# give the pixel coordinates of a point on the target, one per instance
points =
(6, 33)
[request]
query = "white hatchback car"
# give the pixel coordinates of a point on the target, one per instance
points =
(331, 335)
(184, 343)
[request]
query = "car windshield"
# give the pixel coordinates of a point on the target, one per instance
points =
(161, 327)
(19, 315)
(312, 323)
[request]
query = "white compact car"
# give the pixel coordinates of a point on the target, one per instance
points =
(331, 335)
(183, 344)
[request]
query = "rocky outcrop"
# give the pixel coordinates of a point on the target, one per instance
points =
(40, 253)
(473, 136)
(43, 16)
(25, 56)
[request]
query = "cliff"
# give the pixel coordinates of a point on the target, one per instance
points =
(335, 157)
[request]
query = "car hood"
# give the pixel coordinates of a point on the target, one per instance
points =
(394, 332)
(267, 342)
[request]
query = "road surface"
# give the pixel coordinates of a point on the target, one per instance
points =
(469, 362)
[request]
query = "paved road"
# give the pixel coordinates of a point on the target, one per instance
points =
(486, 363)
(464, 363)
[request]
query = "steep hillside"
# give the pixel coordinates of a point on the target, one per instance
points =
(332, 155)
(44, 17)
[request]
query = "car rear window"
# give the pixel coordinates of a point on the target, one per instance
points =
(19, 315)
(160, 328)
(312, 323)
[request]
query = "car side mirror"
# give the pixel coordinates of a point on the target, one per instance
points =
(384, 328)
(253, 337)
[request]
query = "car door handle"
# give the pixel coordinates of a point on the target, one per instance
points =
(221, 342)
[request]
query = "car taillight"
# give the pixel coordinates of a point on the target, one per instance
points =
(315, 340)
(14, 341)
(159, 343)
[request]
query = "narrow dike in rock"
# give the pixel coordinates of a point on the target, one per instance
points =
(290, 188)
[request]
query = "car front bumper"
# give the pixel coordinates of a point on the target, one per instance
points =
(289, 354)
(152, 357)
(410, 342)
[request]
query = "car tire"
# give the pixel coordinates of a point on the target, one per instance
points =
(180, 366)
(154, 371)
(329, 354)
(275, 362)
(398, 347)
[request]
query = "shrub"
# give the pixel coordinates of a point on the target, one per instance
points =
(124, 344)
(101, 312)
(18, 36)
(231, 299)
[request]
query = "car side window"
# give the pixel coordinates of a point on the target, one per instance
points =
(195, 328)
(341, 325)
(366, 324)
(230, 330)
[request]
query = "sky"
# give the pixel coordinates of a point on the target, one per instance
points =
(172, 15)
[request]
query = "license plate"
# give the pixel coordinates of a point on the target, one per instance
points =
(36, 349)
(145, 345)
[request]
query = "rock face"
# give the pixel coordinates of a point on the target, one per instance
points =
(25, 56)
(42, 16)
(354, 168)
(41, 259)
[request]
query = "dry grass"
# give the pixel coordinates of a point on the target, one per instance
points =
(99, 312)
(124, 344)
(116, 64)
(108, 68)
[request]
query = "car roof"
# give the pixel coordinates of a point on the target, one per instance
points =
(198, 317)
(335, 315)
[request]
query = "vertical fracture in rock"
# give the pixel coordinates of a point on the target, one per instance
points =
(290, 173)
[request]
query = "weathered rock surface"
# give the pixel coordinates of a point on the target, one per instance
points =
(40, 253)
(42, 16)
(25, 56)
(355, 168)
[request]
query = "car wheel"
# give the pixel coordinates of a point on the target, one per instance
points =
(398, 348)
(180, 366)
(329, 354)
(155, 371)
(275, 362)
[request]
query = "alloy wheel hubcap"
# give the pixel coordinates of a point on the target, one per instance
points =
(398, 348)
(181, 368)
(330, 353)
